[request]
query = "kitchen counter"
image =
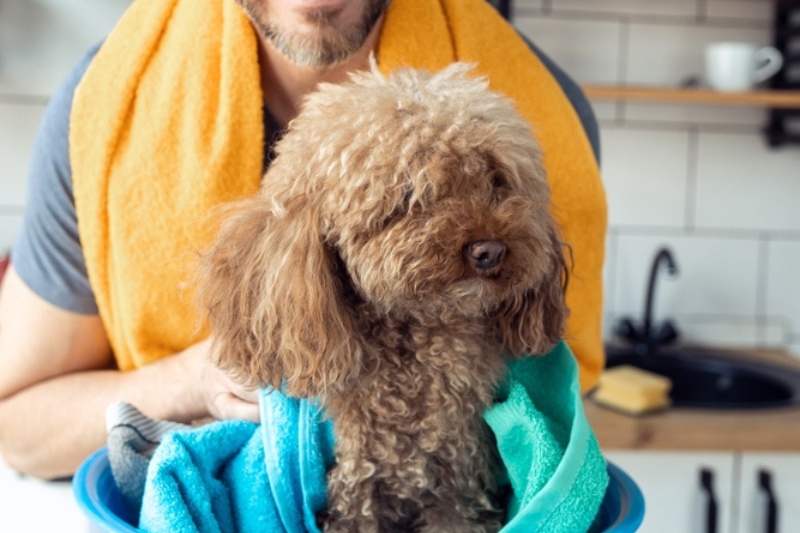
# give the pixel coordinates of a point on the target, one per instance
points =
(697, 429)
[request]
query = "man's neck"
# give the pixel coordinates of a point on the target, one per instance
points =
(285, 84)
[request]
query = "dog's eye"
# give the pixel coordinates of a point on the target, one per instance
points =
(500, 186)
(499, 181)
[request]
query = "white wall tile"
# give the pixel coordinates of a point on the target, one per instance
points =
(718, 276)
(686, 8)
(9, 225)
(645, 173)
(783, 290)
(645, 168)
(41, 40)
(666, 54)
(743, 184)
(724, 332)
(604, 111)
(746, 10)
(526, 4)
(695, 114)
(18, 126)
(794, 347)
(587, 50)
(609, 272)
(775, 332)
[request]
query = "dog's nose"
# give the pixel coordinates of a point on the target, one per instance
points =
(486, 255)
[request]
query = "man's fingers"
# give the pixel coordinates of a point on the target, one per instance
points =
(230, 406)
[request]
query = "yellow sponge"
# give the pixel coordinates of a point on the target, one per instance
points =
(632, 390)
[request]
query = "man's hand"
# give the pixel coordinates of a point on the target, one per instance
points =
(225, 398)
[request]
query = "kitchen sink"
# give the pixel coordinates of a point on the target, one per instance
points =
(715, 379)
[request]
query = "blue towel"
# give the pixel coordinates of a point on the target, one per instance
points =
(236, 476)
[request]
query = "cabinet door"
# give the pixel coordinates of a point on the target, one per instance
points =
(784, 481)
(673, 497)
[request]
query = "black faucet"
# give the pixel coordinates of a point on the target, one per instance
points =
(643, 338)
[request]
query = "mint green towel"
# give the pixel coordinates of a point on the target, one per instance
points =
(552, 459)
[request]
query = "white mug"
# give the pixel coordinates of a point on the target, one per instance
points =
(739, 66)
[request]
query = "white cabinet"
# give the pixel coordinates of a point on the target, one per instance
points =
(783, 471)
(675, 500)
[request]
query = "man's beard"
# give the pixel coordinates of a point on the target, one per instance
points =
(328, 46)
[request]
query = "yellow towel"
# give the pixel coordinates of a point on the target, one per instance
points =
(167, 123)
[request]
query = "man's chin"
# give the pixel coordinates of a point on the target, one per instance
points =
(324, 33)
(313, 52)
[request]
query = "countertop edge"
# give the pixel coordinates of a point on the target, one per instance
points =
(674, 429)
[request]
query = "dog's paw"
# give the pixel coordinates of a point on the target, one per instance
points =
(448, 520)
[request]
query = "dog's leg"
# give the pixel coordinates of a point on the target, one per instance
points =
(447, 520)
(461, 513)
(350, 502)
(369, 505)
(468, 499)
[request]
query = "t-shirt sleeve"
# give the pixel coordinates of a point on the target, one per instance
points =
(47, 252)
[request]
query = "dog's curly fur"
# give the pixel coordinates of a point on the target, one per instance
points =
(353, 278)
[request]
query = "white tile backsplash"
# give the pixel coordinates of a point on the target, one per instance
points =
(729, 210)
(725, 332)
(794, 347)
(783, 287)
(669, 54)
(751, 117)
(717, 276)
(776, 332)
(9, 225)
(682, 8)
(527, 4)
(610, 272)
(41, 40)
(743, 184)
(745, 10)
(588, 50)
(605, 111)
(645, 176)
(732, 331)
(15, 148)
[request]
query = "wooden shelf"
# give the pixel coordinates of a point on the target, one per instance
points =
(760, 98)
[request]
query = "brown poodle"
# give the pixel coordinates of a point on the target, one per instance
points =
(400, 251)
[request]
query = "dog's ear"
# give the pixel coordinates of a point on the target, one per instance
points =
(535, 321)
(275, 303)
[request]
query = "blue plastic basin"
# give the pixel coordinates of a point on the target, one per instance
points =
(622, 510)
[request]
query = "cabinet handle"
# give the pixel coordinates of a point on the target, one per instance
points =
(765, 484)
(707, 484)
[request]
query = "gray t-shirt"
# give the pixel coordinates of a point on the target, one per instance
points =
(47, 253)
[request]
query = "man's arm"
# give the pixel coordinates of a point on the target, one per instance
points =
(56, 380)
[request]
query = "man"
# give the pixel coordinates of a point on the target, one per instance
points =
(94, 308)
